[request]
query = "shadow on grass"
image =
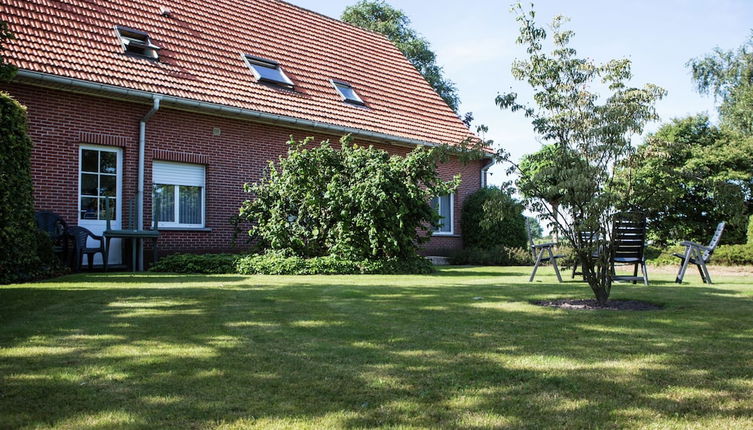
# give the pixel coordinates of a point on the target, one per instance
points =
(351, 355)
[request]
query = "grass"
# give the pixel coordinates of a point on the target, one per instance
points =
(460, 349)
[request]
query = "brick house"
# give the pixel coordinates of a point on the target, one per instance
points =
(189, 100)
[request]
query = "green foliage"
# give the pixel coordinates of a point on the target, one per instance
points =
(492, 217)
(728, 75)
(280, 264)
(7, 71)
(380, 17)
(492, 256)
(275, 264)
(356, 203)
(197, 263)
(724, 255)
(18, 253)
(688, 177)
(749, 234)
(534, 226)
(592, 130)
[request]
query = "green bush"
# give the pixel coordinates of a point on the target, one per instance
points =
(197, 263)
(495, 256)
(491, 217)
(353, 202)
(750, 231)
(18, 230)
(275, 264)
(280, 264)
(724, 255)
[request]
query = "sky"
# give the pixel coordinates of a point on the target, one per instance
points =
(475, 44)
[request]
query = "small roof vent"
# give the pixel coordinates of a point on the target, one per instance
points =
(137, 42)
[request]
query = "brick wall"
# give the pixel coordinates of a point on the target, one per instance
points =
(59, 122)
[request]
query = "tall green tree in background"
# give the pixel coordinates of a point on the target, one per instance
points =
(690, 175)
(593, 129)
(728, 75)
(378, 16)
(7, 70)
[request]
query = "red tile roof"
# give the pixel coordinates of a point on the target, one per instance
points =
(201, 59)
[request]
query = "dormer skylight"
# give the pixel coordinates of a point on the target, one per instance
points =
(347, 92)
(137, 42)
(268, 71)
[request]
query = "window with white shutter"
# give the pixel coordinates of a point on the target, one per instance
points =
(178, 194)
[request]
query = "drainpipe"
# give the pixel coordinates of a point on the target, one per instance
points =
(140, 184)
(485, 171)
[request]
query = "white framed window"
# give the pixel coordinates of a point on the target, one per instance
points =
(445, 207)
(268, 71)
(179, 194)
(347, 92)
(99, 180)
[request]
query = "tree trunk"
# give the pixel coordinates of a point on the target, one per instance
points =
(598, 275)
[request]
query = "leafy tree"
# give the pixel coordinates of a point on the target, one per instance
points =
(492, 217)
(378, 16)
(354, 202)
(689, 176)
(593, 133)
(540, 178)
(728, 75)
(534, 226)
(7, 70)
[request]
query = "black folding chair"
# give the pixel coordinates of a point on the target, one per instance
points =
(698, 254)
(585, 238)
(629, 244)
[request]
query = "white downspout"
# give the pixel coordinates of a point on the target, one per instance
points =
(484, 172)
(140, 184)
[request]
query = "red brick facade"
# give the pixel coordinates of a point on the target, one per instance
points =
(59, 122)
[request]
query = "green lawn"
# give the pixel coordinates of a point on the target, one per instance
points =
(460, 349)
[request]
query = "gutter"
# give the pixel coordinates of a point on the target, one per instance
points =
(182, 103)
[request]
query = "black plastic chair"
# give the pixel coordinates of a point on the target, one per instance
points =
(57, 229)
(80, 238)
(629, 244)
(586, 238)
(698, 254)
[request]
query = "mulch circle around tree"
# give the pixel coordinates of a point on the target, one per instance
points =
(592, 305)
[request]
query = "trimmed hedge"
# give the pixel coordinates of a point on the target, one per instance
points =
(496, 256)
(19, 260)
(275, 264)
(491, 218)
(724, 255)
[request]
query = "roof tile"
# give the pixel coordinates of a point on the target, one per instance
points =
(201, 59)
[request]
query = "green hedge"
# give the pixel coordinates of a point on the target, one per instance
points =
(19, 260)
(491, 218)
(274, 264)
(496, 256)
(724, 255)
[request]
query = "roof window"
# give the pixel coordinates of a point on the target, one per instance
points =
(347, 92)
(137, 42)
(268, 71)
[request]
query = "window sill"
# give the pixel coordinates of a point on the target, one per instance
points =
(205, 229)
(445, 235)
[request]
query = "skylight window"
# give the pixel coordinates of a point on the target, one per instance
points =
(137, 42)
(268, 71)
(347, 92)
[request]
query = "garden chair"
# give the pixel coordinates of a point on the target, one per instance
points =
(80, 238)
(586, 237)
(538, 253)
(699, 255)
(57, 229)
(629, 244)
